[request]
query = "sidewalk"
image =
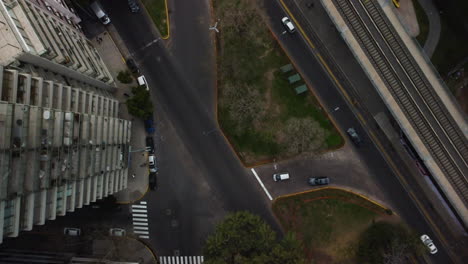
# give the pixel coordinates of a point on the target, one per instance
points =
(114, 57)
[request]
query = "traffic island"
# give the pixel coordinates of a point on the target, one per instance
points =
(265, 107)
(335, 225)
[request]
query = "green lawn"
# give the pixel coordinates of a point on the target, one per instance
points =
(423, 22)
(328, 221)
(257, 107)
(157, 11)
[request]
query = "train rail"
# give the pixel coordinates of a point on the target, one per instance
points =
(404, 94)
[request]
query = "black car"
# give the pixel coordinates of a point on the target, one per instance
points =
(134, 7)
(354, 136)
(132, 66)
(152, 181)
(318, 181)
(150, 144)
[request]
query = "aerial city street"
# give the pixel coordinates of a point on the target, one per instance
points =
(233, 131)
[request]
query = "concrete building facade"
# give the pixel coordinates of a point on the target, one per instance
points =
(62, 146)
(47, 32)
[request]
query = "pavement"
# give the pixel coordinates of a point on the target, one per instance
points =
(114, 58)
(434, 26)
(407, 16)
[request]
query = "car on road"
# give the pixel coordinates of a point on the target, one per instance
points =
(427, 241)
(132, 66)
(72, 231)
(354, 136)
(152, 180)
(150, 144)
(152, 163)
(119, 232)
(280, 177)
(134, 7)
(318, 181)
(288, 24)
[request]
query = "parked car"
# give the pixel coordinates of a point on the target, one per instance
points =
(288, 24)
(318, 181)
(427, 241)
(71, 231)
(152, 163)
(117, 232)
(134, 7)
(132, 66)
(100, 13)
(142, 82)
(150, 144)
(354, 136)
(280, 177)
(153, 180)
(149, 126)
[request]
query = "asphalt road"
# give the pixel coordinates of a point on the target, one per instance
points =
(200, 178)
(302, 55)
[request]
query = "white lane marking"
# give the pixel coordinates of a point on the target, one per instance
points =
(147, 237)
(141, 232)
(138, 223)
(140, 219)
(142, 202)
(139, 211)
(261, 184)
(140, 215)
(138, 206)
(202, 259)
(140, 227)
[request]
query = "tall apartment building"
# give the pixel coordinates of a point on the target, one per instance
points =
(62, 143)
(45, 33)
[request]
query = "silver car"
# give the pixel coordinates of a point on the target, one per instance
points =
(429, 244)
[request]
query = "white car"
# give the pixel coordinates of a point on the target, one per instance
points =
(117, 232)
(288, 24)
(429, 244)
(280, 177)
(71, 231)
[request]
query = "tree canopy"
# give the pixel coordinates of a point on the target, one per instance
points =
(387, 243)
(245, 238)
(140, 104)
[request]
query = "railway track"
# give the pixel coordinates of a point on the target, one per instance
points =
(402, 94)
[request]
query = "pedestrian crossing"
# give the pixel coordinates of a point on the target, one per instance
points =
(181, 260)
(140, 220)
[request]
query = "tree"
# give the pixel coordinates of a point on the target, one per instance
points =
(387, 243)
(245, 238)
(140, 104)
(124, 77)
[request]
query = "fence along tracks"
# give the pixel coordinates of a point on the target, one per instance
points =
(402, 95)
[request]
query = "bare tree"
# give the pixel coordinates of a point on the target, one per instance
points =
(303, 135)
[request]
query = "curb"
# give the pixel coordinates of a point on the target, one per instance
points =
(137, 199)
(332, 188)
(154, 22)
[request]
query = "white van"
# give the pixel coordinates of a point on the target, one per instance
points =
(280, 176)
(99, 12)
(142, 82)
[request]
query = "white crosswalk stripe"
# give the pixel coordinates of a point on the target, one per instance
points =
(140, 221)
(181, 260)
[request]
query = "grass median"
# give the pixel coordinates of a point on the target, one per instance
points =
(157, 11)
(258, 108)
